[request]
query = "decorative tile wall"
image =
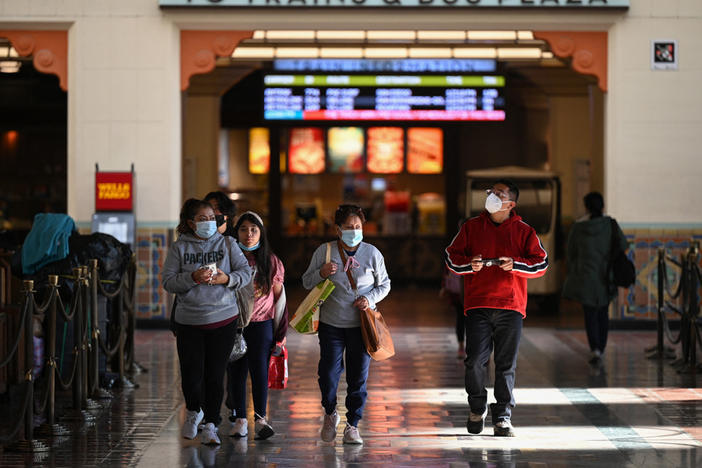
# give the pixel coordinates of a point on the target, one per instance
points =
(152, 246)
(640, 302)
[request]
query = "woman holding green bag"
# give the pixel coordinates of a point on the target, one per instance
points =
(339, 320)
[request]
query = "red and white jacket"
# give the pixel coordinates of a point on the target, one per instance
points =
(492, 287)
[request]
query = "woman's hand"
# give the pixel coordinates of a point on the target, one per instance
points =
(220, 278)
(327, 270)
(361, 303)
(202, 275)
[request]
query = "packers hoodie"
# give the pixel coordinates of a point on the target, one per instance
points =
(492, 287)
(202, 304)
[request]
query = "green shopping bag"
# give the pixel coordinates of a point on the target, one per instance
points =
(305, 320)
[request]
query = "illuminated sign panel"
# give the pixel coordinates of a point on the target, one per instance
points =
(345, 147)
(386, 150)
(306, 151)
(384, 97)
(425, 150)
(503, 4)
(114, 191)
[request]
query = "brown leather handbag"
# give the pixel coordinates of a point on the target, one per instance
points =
(375, 332)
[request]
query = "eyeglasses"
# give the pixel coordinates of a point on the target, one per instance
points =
(502, 195)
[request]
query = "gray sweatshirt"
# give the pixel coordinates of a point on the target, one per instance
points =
(202, 304)
(371, 279)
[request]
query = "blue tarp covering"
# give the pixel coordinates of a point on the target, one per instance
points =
(47, 241)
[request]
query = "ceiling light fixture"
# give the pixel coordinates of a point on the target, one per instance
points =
(441, 35)
(341, 52)
(356, 35)
(492, 35)
(475, 52)
(391, 35)
(518, 53)
(253, 52)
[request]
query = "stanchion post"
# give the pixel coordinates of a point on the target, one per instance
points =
(661, 300)
(77, 335)
(29, 360)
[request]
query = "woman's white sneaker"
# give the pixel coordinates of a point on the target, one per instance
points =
(351, 435)
(329, 426)
(209, 436)
(263, 429)
(192, 419)
(240, 428)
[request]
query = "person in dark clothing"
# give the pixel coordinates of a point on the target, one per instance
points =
(588, 281)
(225, 212)
(495, 252)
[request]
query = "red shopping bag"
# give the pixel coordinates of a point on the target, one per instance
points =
(278, 370)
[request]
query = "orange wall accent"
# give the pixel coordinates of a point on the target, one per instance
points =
(200, 49)
(588, 49)
(48, 48)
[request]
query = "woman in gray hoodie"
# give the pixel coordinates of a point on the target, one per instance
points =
(204, 268)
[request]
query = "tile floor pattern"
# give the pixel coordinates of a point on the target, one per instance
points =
(629, 413)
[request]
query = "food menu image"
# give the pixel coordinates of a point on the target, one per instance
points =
(306, 151)
(345, 149)
(385, 150)
(259, 151)
(425, 150)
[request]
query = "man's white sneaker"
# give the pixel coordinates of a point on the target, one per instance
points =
(351, 435)
(329, 426)
(209, 436)
(263, 429)
(192, 419)
(240, 428)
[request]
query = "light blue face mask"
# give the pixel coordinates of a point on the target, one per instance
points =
(205, 229)
(249, 249)
(352, 237)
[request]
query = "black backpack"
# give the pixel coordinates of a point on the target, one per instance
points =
(623, 272)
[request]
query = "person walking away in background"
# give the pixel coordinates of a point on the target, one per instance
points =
(588, 281)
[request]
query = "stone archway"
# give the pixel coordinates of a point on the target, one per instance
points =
(48, 48)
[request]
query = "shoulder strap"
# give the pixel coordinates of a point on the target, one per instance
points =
(342, 254)
(328, 257)
(613, 246)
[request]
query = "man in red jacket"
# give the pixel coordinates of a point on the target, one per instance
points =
(496, 252)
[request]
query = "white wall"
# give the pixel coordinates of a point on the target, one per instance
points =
(654, 118)
(123, 97)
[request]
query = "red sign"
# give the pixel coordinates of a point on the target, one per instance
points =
(114, 191)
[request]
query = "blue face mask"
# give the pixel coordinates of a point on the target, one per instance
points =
(205, 229)
(352, 237)
(249, 249)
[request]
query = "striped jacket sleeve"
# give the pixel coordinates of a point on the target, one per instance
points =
(457, 256)
(535, 260)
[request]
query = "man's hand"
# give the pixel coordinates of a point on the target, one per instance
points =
(506, 263)
(476, 263)
(327, 270)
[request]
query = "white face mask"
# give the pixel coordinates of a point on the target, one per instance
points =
(493, 203)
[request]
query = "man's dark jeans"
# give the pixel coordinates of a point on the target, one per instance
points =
(485, 329)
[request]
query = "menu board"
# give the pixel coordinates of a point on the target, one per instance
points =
(386, 150)
(306, 151)
(384, 97)
(425, 150)
(345, 147)
(259, 151)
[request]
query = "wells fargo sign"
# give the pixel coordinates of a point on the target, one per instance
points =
(114, 191)
(506, 4)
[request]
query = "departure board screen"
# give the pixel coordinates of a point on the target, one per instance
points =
(383, 97)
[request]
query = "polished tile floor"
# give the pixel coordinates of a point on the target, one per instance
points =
(629, 412)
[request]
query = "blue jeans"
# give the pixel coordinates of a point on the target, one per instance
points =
(259, 341)
(485, 329)
(332, 343)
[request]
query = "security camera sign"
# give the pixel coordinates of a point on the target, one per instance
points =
(664, 54)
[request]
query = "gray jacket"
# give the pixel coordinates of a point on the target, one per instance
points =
(202, 304)
(371, 279)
